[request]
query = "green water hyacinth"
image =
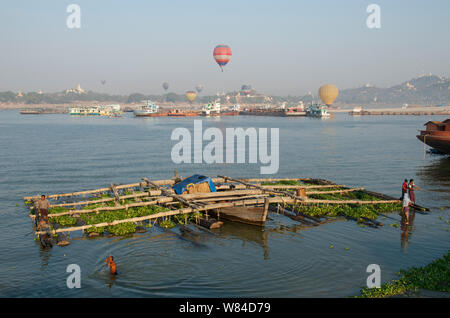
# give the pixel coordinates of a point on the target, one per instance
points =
(434, 276)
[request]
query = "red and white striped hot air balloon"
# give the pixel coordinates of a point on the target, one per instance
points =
(222, 55)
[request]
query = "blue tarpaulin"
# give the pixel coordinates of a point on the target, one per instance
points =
(181, 187)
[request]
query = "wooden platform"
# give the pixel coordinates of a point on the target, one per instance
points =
(238, 200)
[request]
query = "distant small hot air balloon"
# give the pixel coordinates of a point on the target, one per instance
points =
(103, 82)
(191, 95)
(199, 88)
(328, 94)
(165, 85)
(245, 89)
(222, 55)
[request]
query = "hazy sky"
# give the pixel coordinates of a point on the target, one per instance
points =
(279, 47)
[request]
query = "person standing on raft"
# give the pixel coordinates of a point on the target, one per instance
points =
(43, 206)
(411, 188)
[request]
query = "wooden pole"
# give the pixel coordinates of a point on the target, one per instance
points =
(265, 190)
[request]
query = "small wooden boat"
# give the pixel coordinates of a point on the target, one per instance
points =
(255, 215)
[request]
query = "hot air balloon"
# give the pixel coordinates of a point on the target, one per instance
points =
(245, 89)
(191, 95)
(165, 85)
(199, 88)
(103, 82)
(328, 94)
(222, 54)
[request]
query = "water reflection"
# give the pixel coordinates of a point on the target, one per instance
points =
(44, 254)
(407, 224)
(247, 233)
(437, 170)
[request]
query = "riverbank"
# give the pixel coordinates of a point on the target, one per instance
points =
(431, 280)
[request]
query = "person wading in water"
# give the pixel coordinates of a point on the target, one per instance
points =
(42, 206)
(406, 203)
(111, 264)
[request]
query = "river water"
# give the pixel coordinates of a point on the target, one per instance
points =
(60, 153)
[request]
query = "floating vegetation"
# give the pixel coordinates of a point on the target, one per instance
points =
(107, 216)
(64, 220)
(282, 182)
(122, 228)
(434, 276)
(168, 224)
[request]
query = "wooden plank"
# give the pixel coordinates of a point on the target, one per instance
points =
(123, 186)
(123, 197)
(266, 190)
(301, 186)
(292, 216)
(312, 201)
(158, 182)
(113, 208)
(335, 191)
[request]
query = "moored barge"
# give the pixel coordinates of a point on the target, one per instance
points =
(437, 135)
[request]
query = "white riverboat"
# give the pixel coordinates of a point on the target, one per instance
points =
(318, 110)
(148, 110)
(211, 109)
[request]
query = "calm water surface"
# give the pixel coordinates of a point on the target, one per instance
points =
(59, 153)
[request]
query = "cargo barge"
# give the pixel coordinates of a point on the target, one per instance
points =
(437, 135)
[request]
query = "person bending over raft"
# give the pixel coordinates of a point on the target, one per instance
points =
(42, 206)
(411, 188)
(111, 264)
(404, 188)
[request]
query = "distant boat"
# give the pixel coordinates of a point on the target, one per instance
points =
(181, 113)
(318, 110)
(148, 110)
(231, 111)
(100, 110)
(211, 109)
(31, 111)
(437, 135)
(75, 111)
(299, 110)
(84, 111)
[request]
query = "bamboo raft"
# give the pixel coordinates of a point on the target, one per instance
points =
(239, 200)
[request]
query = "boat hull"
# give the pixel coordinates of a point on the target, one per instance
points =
(248, 215)
(137, 114)
(294, 114)
(439, 142)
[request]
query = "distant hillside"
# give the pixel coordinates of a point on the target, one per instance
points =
(425, 90)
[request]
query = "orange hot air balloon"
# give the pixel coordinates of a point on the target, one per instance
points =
(191, 96)
(328, 94)
(222, 55)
